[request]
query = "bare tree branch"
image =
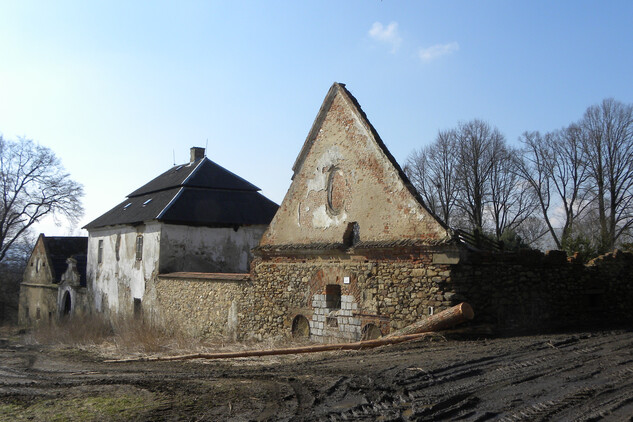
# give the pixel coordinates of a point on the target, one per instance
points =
(33, 184)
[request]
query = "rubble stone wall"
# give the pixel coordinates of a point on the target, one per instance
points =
(532, 290)
(527, 290)
(387, 293)
(201, 307)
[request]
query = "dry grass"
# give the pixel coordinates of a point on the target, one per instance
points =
(126, 337)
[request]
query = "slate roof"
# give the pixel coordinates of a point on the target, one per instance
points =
(201, 193)
(60, 248)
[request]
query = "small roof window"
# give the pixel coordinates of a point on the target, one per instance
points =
(127, 206)
(147, 202)
(178, 168)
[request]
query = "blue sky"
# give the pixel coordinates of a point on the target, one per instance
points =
(118, 88)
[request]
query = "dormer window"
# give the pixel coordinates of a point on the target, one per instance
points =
(147, 202)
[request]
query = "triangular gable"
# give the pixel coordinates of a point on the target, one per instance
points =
(343, 175)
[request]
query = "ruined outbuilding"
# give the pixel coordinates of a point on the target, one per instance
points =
(196, 217)
(45, 292)
(349, 236)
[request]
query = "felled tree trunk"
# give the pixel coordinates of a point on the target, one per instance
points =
(440, 321)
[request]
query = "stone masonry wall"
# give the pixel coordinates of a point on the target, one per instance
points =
(387, 293)
(531, 290)
(202, 305)
(527, 290)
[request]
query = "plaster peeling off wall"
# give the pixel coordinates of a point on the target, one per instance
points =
(120, 277)
(207, 249)
(330, 158)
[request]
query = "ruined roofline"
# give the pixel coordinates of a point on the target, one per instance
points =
(362, 245)
(318, 122)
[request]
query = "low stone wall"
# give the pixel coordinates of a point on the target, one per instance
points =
(341, 296)
(201, 304)
(532, 290)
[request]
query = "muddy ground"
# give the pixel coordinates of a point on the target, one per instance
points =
(584, 376)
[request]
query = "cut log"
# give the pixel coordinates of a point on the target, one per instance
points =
(289, 351)
(440, 321)
(443, 320)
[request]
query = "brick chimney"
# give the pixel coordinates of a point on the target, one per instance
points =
(196, 153)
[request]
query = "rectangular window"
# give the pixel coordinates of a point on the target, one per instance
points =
(137, 308)
(139, 247)
(100, 252)
(333, 296)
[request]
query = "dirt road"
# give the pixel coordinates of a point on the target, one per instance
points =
(578, 376)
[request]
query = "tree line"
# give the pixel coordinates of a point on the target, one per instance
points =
(571, 187)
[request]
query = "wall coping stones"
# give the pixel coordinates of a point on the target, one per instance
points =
(206, 276)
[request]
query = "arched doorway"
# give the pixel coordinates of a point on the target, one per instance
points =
(66, 304)
(370, 332)
(300, 327)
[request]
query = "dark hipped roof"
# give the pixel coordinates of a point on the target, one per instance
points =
(201, 193)
(59, 249)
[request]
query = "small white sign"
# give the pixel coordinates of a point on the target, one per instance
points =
(345, 280)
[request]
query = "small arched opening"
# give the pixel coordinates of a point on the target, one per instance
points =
(66, 304)
(300, 327)
(370, 332)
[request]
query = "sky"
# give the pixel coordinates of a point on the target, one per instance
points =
(119, 90)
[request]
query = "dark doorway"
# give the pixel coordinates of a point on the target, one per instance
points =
(66, 304)
(300, 327)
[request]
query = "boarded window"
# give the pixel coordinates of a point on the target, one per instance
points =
(139, 247)
(100, 252)
(333, 296)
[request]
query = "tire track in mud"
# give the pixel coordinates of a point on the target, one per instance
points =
(467, 391)
(586, 377)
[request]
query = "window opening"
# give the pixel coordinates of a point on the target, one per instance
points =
(100, 252)
(127, 206)
(147, 202)
(139, 247)
(333, 296)
(351, 235)
(38, 314)
(138, 310)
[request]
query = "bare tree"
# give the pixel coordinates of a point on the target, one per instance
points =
(511, 201)
(478, 143)
(432, 171)
(33, 184)
(553, 166)
(608, 143)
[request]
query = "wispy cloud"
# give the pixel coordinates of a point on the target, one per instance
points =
(386, 34)
(437, 50)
